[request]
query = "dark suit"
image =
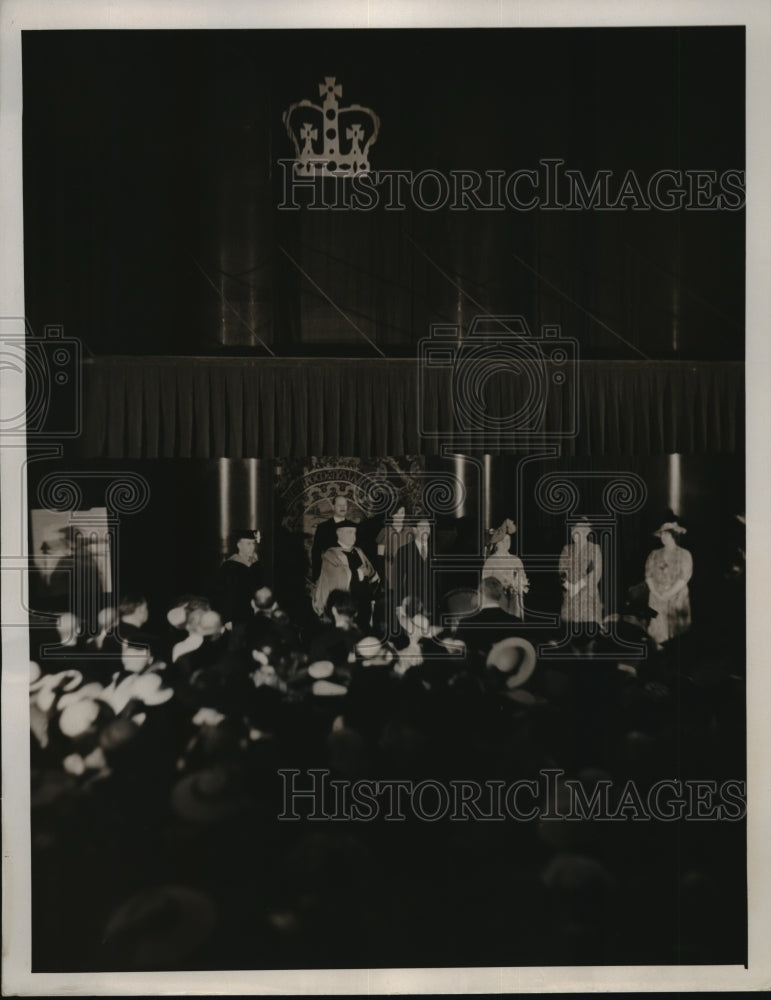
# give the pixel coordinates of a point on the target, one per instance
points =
(412, 576)
(214, 675)
(488, 626)
(132, 634)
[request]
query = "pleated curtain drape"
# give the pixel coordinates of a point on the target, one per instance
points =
(263, 408)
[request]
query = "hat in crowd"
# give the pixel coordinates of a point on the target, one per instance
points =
(322, 678)
(368, 647)
(373, 652)
(208, 796)
(523, 697)
(46, 685)
(117, 734)
(329, 689)
(210, 623)
(462, 602)
(179, 613)
(321, 670)
(86, 693)
(177, 616)
(159, 928)
(495, 535)
(135, 657)
(515, 657)
(149, 689)
(48, 787)
(108, 618)
(77, 719)
(671, 526)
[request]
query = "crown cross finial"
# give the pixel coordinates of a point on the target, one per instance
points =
(308, 133)
(355, 134)
(330, 90)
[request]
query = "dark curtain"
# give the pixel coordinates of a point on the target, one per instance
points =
(265, 408)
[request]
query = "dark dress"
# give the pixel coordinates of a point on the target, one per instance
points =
(412, 576)
(234, 589)
(481, 631)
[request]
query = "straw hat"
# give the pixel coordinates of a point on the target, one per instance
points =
(210, 623)
(672, 527)
(177, 616)
(89, 692)
(159, 928)
(321, 670)
(328, 689)
(513, 656)
(321, 678)
(78, 718)
(149, 689)
(117, 734)
(208, 796)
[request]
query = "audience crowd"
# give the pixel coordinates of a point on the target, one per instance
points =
(156, 752)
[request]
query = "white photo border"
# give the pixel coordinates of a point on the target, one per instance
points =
(20, 15)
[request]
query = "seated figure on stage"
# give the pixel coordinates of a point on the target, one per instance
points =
(346, 567)
(239, 576)
(326, 534)
(501, 564)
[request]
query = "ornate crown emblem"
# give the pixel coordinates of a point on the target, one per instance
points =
(330, 140)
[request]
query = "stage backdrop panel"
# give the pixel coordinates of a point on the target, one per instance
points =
(183, 407)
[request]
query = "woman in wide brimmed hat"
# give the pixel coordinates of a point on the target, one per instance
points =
(502, 564)
(667, 572)
(580, 568)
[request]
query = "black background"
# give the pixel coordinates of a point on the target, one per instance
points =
(151, 188)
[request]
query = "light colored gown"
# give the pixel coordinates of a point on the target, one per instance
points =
(510, 571)
(581, 564)
(663, 569)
